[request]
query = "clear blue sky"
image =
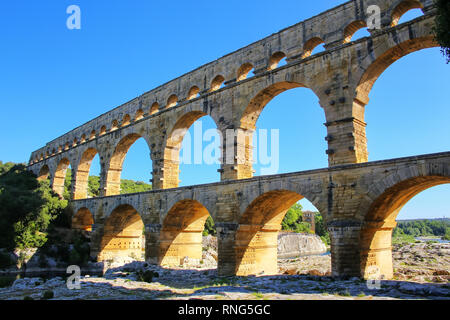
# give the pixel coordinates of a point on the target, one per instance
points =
(54, 79)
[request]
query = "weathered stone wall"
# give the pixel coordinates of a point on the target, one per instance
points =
(292, 245)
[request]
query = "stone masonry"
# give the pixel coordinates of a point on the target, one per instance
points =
(359, 200)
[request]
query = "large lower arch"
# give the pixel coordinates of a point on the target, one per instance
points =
(181, 233)
(122, 235)
(59, 177)
(256, 237)
(171, 161)
(376, 234)
(82, 174)
(114, 171)
(83, 220)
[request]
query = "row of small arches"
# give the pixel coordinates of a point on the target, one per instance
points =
(275, 61)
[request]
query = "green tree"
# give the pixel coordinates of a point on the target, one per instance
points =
(27, 206)
(210, 228)
(442, 27)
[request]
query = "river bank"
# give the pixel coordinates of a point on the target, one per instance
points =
(421, 272)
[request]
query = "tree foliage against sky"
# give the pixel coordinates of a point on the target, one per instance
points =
(442, 27)
(27, 206)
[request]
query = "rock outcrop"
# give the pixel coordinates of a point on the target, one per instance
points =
(292, 245)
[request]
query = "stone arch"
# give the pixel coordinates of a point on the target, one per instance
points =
(401, 8)
(60, 176)
(256, 237)
(173, 145)
(372, 69)
(243, 71)
(114, 125)
(82, 173)
(92, 135)
(44, 173)
(139, 115)
(122, 234)
(310, 45)
(154, 108)
(216, 83)
(114, 171)
(126, 120)
(181, 233)
(352, 28)
(102, 130)
(275, 59)
(193, 92)
(172, 101)
(250, 116)
(389, 196)
(83, 220)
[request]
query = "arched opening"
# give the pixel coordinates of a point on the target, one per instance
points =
(181, 234)
(277, 143)
(102, 130)
(136, 169)
(83, 220)
(356, 30)
(217, 83)
(376, 235)
(154, 108)
(44, 173)
(114, 125)
(126, 120)
(92, 136)
(244, 71)
(258, 235)
(123, 235)
(277, 60)
(195, 158)
(139, 115)
(413, 7)
(75, 142)
(83, 138)
(200, 153)
(193, 93)
(172, 101)
(87, 184)
(62, 179)
(410, 128)
(312, 46)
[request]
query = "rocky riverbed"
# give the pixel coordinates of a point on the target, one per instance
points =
(421, 272)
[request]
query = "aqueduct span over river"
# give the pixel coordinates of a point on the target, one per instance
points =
(359, 200)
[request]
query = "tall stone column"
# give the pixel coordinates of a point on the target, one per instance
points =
(345, 247)
(237, 154)
(376, 249)
(96, 239)
(346, 129)
(152, 234)
(226, 239)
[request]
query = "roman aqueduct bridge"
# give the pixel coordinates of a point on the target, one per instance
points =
(359, 200)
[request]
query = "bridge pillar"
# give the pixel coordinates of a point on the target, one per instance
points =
(376, 249)
(96, 239)
(226, 239)
(346, 129)
(152, 234)
(345, 247)
(237, 154)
